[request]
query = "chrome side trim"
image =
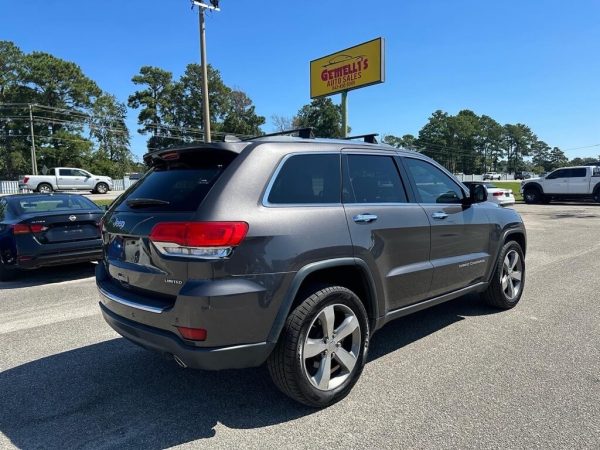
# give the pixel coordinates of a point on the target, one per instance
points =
(122, 301)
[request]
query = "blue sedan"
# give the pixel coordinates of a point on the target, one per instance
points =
(47, 229)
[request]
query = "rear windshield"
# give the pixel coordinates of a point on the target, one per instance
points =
(177, 186)
(45, 203)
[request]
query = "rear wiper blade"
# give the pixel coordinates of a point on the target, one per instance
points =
(142, 202)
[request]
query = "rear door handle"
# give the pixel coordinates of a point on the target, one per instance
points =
(364, 218)
(439, 215)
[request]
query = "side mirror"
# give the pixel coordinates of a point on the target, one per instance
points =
(477, 194)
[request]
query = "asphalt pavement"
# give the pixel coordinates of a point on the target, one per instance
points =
(460, 375)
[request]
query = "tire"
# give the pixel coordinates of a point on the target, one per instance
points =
(7, 274)
(532, 195)
(510, 267)
(545, 200)
(596, 196)
(44, 188)
(307, 327)
(101, 188)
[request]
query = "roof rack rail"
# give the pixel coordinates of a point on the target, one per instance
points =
(304, 133)
(368, 138)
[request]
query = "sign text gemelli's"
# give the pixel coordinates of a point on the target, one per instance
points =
(352, 68)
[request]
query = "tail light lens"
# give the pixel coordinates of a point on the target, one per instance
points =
(193, 334)
(25, 179)
(498, 194)
(211, 240)
(23, 228)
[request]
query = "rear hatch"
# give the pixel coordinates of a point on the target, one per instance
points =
(167, 197)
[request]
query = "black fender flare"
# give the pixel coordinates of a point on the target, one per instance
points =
(304, 272)
(511, 229)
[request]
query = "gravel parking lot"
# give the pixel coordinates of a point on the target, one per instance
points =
(459, 375)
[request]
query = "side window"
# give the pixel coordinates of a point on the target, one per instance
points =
(80, 173)
(307, 179)
(372, 179)
(433, 185)
(3, 208)
(581, 172)
(561, 173)
(596, 171)
(65, 172)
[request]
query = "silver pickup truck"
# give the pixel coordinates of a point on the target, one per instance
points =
(67, 179)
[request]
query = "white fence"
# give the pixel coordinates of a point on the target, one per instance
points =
(463, 177)
(12, 187)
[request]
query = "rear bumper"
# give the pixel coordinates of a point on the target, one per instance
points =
(168, 344)
(58, 258)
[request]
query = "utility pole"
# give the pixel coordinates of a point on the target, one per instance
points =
(33, 157)
(345, 113)
(205, 106)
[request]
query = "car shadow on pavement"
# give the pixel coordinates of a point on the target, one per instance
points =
(50, 275)
(116, 395)
(403, 331)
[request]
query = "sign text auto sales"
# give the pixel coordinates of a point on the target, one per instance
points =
(345, 77)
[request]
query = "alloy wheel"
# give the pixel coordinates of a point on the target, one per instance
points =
(332, 346)
(512, 275)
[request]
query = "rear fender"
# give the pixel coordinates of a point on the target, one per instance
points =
(374, 309)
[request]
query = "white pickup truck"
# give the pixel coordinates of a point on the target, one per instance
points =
(67, 179)
(565, 183)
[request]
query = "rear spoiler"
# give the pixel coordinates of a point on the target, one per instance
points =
(165, 155)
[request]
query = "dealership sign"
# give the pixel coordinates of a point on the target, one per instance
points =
(353, 68)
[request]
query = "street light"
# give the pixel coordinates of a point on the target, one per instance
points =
(214, 6)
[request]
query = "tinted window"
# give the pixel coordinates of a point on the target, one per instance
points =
(596, 172)
(578, 173)
(66, 173)
(44, 203)
(432, 185)
(373, 179)
(562, 173)
(180, 184)
(307, 179)
(3, 209)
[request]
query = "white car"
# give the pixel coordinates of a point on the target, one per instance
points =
(501, 196)
(491, 176)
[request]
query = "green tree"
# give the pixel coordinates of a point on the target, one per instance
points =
(241, 117)
(408, 141)
(156, 105)
(489, 143)
(323, 115)
(109, 130)
(517, 144)
(558, 158)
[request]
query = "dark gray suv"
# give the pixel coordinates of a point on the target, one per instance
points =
(293, 251)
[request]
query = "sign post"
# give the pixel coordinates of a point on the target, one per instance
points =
(343, 71)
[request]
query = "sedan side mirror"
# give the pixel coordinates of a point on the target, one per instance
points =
(477, 194)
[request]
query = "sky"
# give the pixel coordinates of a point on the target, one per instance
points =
(535, 62)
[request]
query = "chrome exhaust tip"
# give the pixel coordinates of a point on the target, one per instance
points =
(179, 361)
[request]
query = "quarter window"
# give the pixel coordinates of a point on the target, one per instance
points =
(373, 179)
(432, 185)
(307, 179)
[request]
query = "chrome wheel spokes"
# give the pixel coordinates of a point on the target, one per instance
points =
(331, 348)
(512, 275)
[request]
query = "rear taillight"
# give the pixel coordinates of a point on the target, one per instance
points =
(23, 228)
(498, 194)
(210, 240)
(25, 179)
